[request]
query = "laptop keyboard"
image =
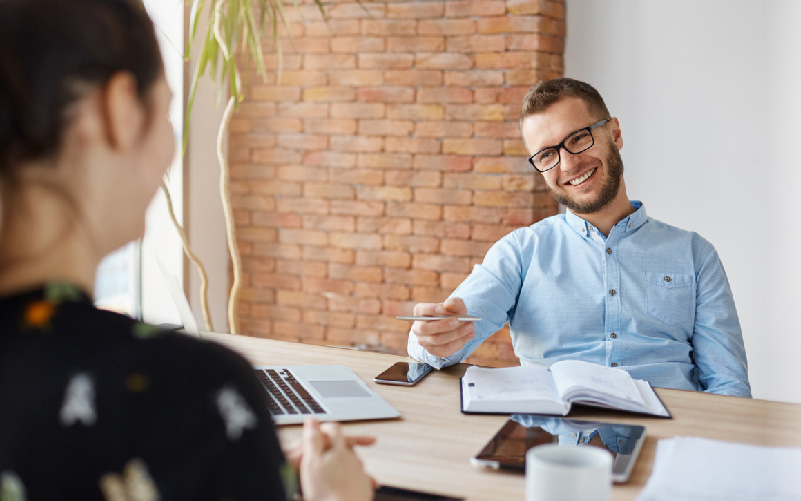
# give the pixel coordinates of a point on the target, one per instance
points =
(286, 395)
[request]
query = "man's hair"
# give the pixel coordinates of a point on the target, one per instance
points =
(548, 92)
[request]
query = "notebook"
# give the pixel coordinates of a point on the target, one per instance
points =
(327, 392)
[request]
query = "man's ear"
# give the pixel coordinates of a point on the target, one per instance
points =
(617, 135)
(123, 113)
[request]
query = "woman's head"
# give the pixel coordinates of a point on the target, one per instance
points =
(52, 53)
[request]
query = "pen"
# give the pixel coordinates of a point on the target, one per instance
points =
(427, 318)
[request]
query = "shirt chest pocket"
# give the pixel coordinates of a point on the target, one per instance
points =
(670, 297)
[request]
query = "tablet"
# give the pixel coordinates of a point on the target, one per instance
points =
(507, 449)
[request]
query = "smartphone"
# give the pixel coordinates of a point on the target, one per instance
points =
(404, 373)
(387, 493)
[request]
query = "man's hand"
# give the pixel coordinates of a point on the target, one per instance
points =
(443, 338)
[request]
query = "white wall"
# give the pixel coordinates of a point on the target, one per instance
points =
(708, 97)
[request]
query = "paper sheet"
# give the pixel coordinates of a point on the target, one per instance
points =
(697, 469)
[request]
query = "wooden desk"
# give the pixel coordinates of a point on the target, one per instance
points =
(430, 446)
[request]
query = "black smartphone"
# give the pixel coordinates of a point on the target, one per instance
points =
(387, 493)
(403, 373)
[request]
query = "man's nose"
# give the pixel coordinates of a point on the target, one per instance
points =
(568, 162)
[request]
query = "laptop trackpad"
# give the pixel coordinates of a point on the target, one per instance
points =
(334, 389)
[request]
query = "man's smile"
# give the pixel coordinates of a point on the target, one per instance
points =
(577, 181)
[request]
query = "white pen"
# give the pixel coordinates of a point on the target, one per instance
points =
(428, 318)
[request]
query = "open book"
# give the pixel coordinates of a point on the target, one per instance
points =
(539, 390)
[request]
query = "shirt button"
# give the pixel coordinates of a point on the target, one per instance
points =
(614, 364)
(575, 435)
(608, 250)
(667, 278)
(631, 224)
(612, 292)
(613, 335)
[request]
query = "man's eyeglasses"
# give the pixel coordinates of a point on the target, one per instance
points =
(578, 141)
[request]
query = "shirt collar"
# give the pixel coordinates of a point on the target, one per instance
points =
(627, 224)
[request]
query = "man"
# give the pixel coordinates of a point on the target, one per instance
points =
(603, 282)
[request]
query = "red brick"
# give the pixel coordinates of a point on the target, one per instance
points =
(430, 179)
(518, 217)
(302, 173)
(252, 171)
(413, 210)
(309, 46)
(301, 13)
(394, 342)
(321, 285)
(444, 229)
(451, 281)
(412, 145)
(443, 61)
(523, 77)
(274, 188)
(355, 10)
(357, 77)
(414, 77)
(358, 110)
(416, 44)
(270, 93)
(361, 339)
(277, 250)
(422, 294)
(356, 143)
(383, 291)
(386, 226)
(415, 111)
(386, 61)
(330, 223)
(340, 319)
(329, 94)
(302, 206)
(447, 27)
(255, 202)
(356, 273)
(477, 43)
(257, 234)
(385, 27)
(535, 42)
(302, 78)
(385, 160)
(397, 308)
(329, 159)
(357, 208)
(416, 10)
(328, 254)
(473, 214)
(276, 156)
(390, 259)
(475, 8)
(519, 60)
(385, 127)
(444, 129)
(359, 176)
(475, 112)
(490, 232)
(303, 333)
(354, 304)
(451, 163)
(502, 165)
(303, 141)
(330, 126)
(303, 237)
(500, 130)
(472, 146)
(287, 62)
(536, 8)
(386, 94)
(328, 190)
(385, 193)
(410, 243)
(442, 196)
(275, 281)
(515, 147)
(521, 183)
(465, 248)
(474, 78)
(275, 312)
(302, 110)
(328, 61)
(472, 181)
(301, 268)
(356, 241)
(256, 328)
(358, 44)
(262, 264)
(444, 95)
(257, 295)
(381, 323)
(332, 27)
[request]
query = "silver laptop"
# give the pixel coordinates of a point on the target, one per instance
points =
(327, 392)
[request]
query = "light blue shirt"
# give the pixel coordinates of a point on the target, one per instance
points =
(650, 298)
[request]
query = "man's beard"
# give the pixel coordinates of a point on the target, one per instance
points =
(608, 192)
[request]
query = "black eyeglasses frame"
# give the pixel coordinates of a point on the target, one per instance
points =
(561, 145)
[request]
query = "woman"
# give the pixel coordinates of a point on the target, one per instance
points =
(93, 404)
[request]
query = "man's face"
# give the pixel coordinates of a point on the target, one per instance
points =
(586, 182)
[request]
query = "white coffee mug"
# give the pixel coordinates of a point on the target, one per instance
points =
(568, 473)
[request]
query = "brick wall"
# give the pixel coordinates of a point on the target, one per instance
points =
(385, 162)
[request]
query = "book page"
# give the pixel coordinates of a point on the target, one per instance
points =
(584, 381)
(510, 389)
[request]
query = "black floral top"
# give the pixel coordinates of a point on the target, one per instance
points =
(95, 405)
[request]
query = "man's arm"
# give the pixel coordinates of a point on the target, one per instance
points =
(489, 292)
(717, 338)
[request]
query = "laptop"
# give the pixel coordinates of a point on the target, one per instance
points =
(326, 392)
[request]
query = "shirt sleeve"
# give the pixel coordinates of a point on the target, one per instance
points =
(489, 292)
(717, 340)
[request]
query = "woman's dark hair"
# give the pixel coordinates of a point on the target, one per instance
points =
(52, 53)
